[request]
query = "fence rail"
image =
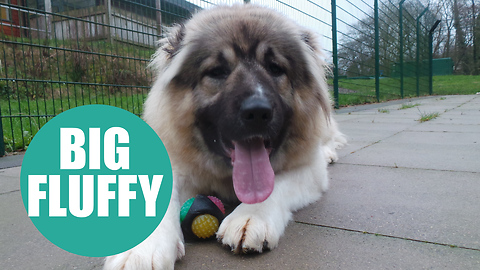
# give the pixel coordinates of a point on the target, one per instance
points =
(56, 55)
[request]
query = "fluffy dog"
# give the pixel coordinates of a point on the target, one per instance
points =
(242, 106)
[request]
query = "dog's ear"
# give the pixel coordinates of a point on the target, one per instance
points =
(169, 46)
(319, 68)
(173, 42)
(309, 39)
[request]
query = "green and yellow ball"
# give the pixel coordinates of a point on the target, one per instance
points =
(201, 216)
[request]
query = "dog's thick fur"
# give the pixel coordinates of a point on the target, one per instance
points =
(209, 70)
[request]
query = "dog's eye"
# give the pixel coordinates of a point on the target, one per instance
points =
(275, 69)
(218, 73)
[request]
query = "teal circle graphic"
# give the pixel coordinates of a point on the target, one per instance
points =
(102, 194)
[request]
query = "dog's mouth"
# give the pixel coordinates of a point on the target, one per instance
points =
(248, 139)
(253, 175)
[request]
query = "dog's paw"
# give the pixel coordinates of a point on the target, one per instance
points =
(149, 255)
(247, 230)
(331, 156)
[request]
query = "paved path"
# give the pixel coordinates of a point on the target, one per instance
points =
(404, 195)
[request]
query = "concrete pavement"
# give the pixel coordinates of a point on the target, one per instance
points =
(404, 195)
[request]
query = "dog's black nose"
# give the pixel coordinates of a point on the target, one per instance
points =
(256, 111)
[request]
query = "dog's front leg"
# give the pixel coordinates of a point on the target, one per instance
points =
(160, 250)
(258, 227)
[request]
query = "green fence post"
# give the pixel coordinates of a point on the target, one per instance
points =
(430, 57)
(400, 36)
(335, 53)
(377, 53)
(430, 63)
(417, 68)
(2, 143)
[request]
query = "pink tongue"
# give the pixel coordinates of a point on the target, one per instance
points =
(253, 176)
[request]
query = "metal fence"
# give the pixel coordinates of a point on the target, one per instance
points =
(59, 54)
(388, 44)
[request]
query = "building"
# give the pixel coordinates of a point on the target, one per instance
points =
(10, 20)
(136, 21)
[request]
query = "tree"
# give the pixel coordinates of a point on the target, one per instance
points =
(356, 50)
(460, 43)
(460, 36)
(457, 36)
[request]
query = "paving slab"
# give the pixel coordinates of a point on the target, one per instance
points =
(437, 126)
(371, 131)
(22, 246)
(14, 172)
(404, 195)
(473, 105)
(375, 106)
(427, 205)
(384, 118)
(427, 150)
(314, 247)
(11, 161)
(9, 180)
(9, 184)
(352, 148)
(457, 119)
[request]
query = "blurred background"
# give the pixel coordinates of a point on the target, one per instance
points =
(59, 54)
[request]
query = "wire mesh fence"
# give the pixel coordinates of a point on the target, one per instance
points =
(383, 51)
(59, 54)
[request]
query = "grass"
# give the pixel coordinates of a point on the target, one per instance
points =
(30, 115)
(362, 91)
(381, 110)
(33, 68)
(408, 106)
(424, 117)
(456, 85)
(42, 78)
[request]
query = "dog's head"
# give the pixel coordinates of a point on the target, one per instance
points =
(255, 85)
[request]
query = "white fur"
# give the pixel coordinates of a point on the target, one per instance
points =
(159, 251)
(249, 227)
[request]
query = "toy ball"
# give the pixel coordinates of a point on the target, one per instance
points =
(201, 216)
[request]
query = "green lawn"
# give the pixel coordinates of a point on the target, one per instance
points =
(18, 131)
(42, 78)
(456, 85)
(362, 91)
